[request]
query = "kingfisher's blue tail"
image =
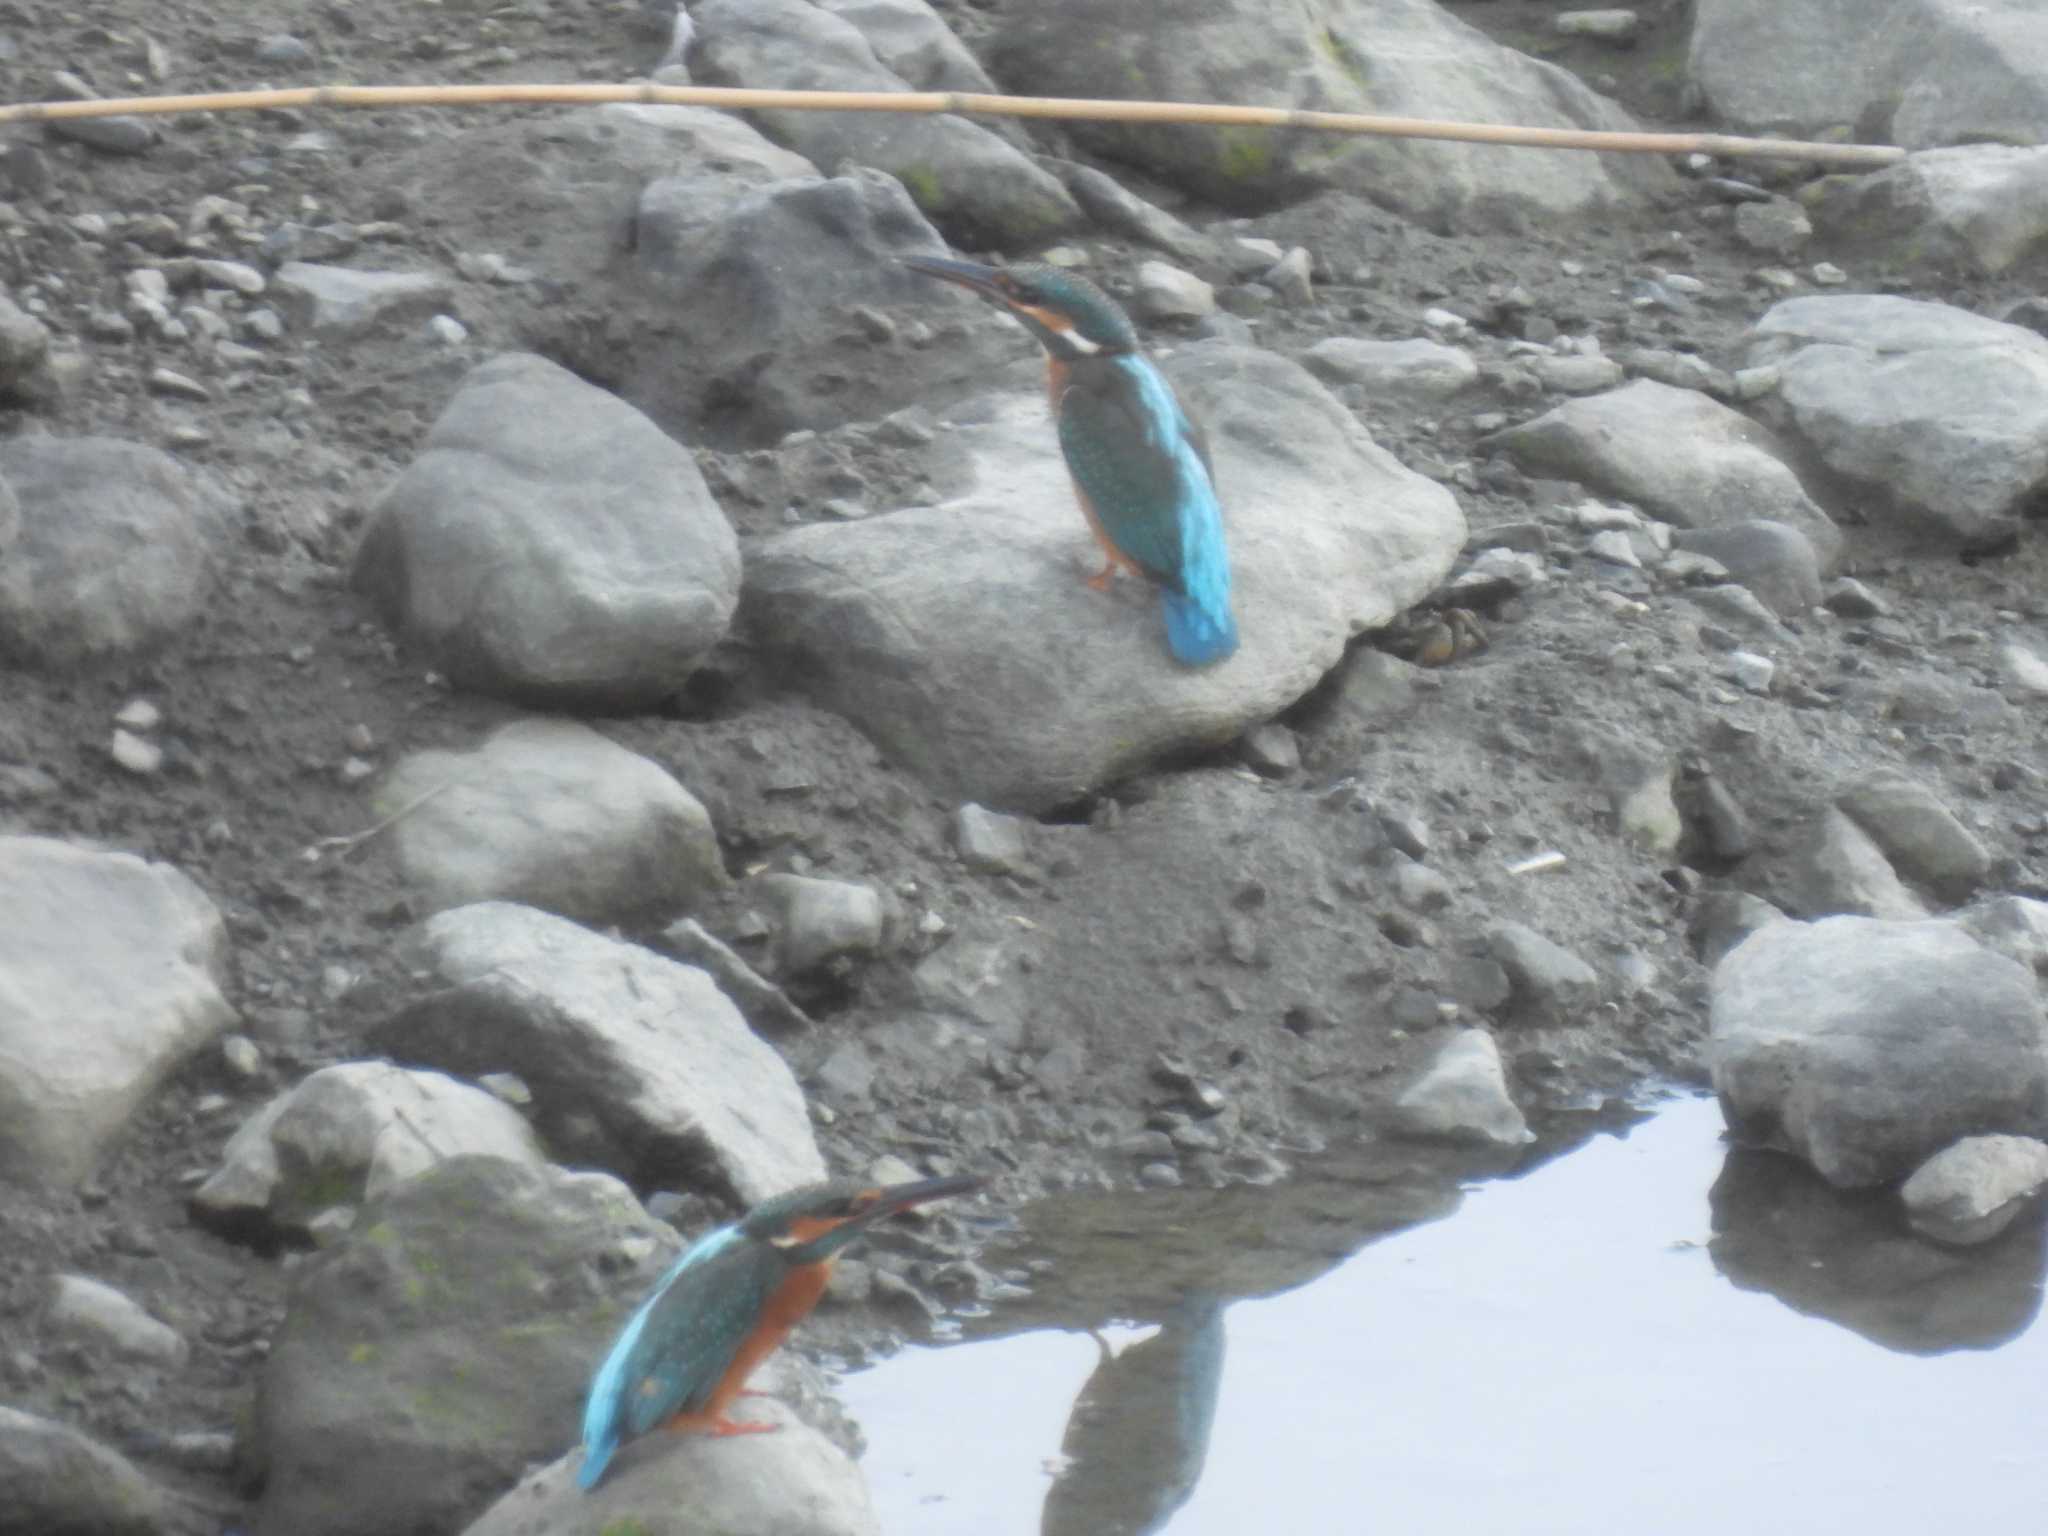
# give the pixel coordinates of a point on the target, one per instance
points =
(595, 1456)
(1199, 634)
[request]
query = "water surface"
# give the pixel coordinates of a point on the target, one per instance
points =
(1650, 1334)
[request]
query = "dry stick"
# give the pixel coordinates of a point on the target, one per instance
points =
(967, 104)
(348, 843)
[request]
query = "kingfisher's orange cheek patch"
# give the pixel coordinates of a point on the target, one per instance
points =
(1051, 319)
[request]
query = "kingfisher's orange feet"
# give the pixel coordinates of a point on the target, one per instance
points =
(726, 1427)
(718, 1427)
(1102, 579)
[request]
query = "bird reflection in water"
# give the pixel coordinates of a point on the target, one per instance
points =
(1139, 1432)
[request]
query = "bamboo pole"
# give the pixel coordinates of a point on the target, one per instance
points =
(967, 104)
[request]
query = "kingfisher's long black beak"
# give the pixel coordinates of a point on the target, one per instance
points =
(901, 1197)
(968, 274)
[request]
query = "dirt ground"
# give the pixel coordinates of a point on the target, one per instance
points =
(1244, 942)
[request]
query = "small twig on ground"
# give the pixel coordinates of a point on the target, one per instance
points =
(348, 843)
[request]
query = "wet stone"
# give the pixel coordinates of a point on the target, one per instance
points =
(1970, 1192)
(1463, 1096)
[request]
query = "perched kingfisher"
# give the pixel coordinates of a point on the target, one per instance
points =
(1140, 465)
(724, 1306)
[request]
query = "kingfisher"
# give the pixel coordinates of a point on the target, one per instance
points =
(724, 1306)
(1139, 463)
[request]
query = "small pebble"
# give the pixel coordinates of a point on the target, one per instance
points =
(1752, 671)
(166, 381)
(139, 715)
(137, 754)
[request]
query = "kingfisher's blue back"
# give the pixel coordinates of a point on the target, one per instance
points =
(1142, 469)
(671, 1351)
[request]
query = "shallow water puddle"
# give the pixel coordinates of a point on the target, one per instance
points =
(1649, 1334)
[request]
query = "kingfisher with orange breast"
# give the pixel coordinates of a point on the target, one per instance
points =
(686, 1353)
(1140, 465)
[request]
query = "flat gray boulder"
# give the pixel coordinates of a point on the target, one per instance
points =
(636, 1063)
(444, 1344)
(1676, 453)
(794, 1482)
(1865, 1046)
(1939, 414)
(552, 545)
(349, 1133)
(112, 969)
(553, 815)
(105, 547)
(1979, 206)
(976, 186)
(1921, 73)
(962, 638)
(1402, 57)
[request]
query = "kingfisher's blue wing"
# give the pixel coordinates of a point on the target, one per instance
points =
(692, 1330)
(1138, 460)
(678, 1344)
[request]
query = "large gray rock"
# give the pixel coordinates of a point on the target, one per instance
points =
(553, 815)
(1921, 73)
(350, 1132)
(551, 544)
(756, 303)
(1936, 413)
(111, 970)
(113, 547)
(981, 190)
(636, 1062)
(1404, 57)
(1979, 206)
(962, 638)
(1865, 1046)
(444, 1344)
(59, 1482)
(1674, 452)
(794, 1482)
